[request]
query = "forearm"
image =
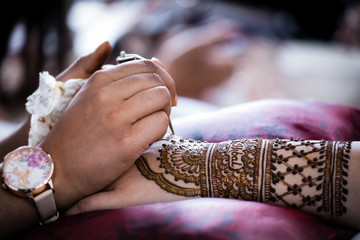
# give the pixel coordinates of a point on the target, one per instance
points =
(319, 177)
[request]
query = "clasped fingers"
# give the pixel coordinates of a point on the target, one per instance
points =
(131, 102)
(132, 77)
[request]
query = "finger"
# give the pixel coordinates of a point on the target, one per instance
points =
(158, 62)
(147, 102)
(98, 201)
(210, 35)
(130, 86)
(124, 70)
(85, 66)
(150, 129)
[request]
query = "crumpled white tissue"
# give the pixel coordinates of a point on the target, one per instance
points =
(47, 104)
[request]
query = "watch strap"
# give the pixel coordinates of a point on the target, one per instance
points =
(46, 207)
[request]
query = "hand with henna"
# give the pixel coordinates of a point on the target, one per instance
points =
(319, 177)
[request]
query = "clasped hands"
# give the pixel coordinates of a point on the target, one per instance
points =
(110, 122)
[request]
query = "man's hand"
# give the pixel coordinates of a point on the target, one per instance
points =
(84, 67)
(17, 214)
(111, 121)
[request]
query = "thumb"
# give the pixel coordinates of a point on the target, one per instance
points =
(86, 65)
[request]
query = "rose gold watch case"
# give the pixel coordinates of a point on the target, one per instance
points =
(34, 190)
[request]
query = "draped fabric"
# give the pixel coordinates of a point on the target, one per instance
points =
(224, 218)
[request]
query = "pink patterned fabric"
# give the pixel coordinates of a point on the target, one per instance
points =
(223, 218)
(274, 119)
(193, 219)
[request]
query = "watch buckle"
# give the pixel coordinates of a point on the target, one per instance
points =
(50, 219)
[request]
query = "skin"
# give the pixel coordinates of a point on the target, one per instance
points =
(199, 65)
(132, 188)
(83, 67)
(126, 106)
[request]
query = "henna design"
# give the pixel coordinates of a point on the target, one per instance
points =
(183, 160)
(164, 182)
(233, 170)
(308, 175)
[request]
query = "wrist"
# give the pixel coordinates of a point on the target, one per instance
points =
(17, 214)
(63, 192)
(27, 173)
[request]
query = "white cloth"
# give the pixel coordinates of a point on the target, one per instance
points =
(47, 104)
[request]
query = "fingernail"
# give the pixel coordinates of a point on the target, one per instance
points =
(175, 101)
(157, 61)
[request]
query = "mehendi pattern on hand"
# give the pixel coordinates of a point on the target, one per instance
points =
(179, 161)
(308, 175)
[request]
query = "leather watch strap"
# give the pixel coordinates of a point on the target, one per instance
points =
(45, 204)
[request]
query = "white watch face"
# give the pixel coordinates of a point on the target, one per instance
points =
(27, 169)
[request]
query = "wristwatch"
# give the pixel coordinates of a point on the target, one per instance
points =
(27, 172)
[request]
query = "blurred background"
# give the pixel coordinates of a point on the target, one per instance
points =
(218, 52)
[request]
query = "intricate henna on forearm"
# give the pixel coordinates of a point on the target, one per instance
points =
(308, 175)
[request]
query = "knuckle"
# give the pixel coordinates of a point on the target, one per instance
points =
(157, 79)
(163, 119)
(101, 96)
(158, 96)
(110, 116)
(150, 65)
(97, 76)
(94, 78)
(83, 205)
(122, 136)
(164, 94)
